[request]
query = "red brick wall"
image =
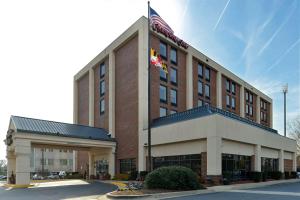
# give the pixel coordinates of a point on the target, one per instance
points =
(253, 118)
(212, 83)
(83, 118)
(203, 164)
(126, 101)
(101, 121)
(156, 82)
(83, 100)
(288, 165)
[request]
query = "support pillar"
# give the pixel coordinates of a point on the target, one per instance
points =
(258, 109)
(91, 97)
(281, 160)
(189, 78)
(111, 162)
(257, 163)
(22, 152)
(219, 90)
(242, 101)
(111, 93)
(294, 162)
(11, 164)
(91, 164)
(214, 158)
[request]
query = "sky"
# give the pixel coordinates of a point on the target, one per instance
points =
(43, 44)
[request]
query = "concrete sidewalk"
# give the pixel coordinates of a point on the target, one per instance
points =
(214, 189)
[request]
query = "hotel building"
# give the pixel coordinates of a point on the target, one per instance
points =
(202, 115)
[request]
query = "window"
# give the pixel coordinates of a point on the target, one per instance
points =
(227, 101)
(200, 70)
(127, 166)
(63, 161)
(43, 161)
(174, 97)
(51, 162)
(207, 91)
(162, 112)
(228, 85)
(251, 98)
(173, 111)
(163, 50)
(247, 96)
(207, 74)
(233, 88)
(102, 70)
(200, 88)
(173, 75)
(70, 162)
(50, 150)
(247, 109)
(102, 88)
(251, 110)
(102, 106)
(200, 102)
(173, 56)
(236, 166)
(163, 93)
(162, 75)
(233, 102)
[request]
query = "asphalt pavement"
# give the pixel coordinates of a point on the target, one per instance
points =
(286, 191)
(75, 189)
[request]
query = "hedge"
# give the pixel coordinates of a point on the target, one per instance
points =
(173, 178)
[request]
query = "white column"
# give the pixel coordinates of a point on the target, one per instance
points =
(22, 152)
(111, 93)
(257, 163)
(294, 162)
(281, 160)
(74, 160)
(91, 164)
(142, 153)
(242, 101)
(189, 79)
(75, 102)
(214, 155)
(258, 109)
(11, 164)
(219, 90)
(91, 97)
(111, 162)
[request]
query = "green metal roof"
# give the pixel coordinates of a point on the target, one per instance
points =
(44, 127)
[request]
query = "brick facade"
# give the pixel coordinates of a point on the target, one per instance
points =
(288, 165)
(126, 101)
(101, 120)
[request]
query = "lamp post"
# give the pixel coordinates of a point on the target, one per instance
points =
(285, 90)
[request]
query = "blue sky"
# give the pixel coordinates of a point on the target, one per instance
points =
(45, 43)
(259, 40)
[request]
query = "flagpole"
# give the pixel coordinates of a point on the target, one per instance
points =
(149, 96)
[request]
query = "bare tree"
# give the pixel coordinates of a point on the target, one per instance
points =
(294, 131)
(3, 167)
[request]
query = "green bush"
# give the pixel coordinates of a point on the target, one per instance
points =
(74, 176)
(143, 175)
(277, 175)
(256, 176)
(133, 175)
(293, 174)
(264, 176)
(173, 178)
(287, 175)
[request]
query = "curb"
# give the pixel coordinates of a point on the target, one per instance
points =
(112, 196)
(14, 186)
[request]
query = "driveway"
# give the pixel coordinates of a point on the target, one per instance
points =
(287, 191)
(71, 189)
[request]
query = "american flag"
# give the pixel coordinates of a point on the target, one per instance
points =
(156, 19)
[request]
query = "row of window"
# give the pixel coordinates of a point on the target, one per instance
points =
(163, 94)
(206, 89)
(263, 116)
(249, 97)
(230, 86)
(102, 88)
(206, 72)
(127, 165)
(230, 102)
(164, 112)
(263, 105)
(173, 76)
(60, 150)
(249, 110)
(164, 53)
(50, 162)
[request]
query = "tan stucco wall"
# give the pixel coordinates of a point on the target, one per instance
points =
(233, 147)
(269, 153)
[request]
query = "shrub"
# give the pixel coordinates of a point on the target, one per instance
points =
(143, 175)
(287, 175)
(277, 175)
(256, 176)
(121, 177)
(227, 178)
(133, 175)
(264, 176)
(74, 176)
(293, 174)
(173, 178)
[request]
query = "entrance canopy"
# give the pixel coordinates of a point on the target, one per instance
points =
(25, 133)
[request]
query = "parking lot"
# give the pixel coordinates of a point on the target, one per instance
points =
(287, 191)
(70, 189)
